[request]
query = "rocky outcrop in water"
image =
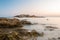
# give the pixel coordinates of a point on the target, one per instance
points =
(29, 16)
(24, 22)
(11, 23)
(51, 28)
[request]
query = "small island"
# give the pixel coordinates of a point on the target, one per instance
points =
(28, 16)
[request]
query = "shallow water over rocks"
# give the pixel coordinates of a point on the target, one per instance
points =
(41, 26)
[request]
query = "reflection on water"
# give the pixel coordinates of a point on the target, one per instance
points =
(42, 23)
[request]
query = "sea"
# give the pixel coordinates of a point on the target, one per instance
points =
(41, 24)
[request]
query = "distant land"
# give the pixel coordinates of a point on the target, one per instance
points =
(29, 16)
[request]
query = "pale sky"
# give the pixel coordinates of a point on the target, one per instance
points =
(33, 7)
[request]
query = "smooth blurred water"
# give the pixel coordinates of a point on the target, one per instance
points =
(42, 23)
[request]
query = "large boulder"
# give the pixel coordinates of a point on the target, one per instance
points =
(24, 22)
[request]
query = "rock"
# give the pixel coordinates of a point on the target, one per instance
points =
(51, 28)
(19, 34)
(24, 22)
(10, 23)
(25, 15)
(16, 34)
(58, 37)
(25, 32)
(35, 33)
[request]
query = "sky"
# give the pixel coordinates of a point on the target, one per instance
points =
(32, 7)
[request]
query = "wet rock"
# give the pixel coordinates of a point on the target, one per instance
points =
(9, 23)
(17, 34)
(24, 22)
(51, 28)
(58, 37)
(35, 33)
(25, 32)
(52, 39)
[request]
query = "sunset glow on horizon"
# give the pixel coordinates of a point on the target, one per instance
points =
(34, 7)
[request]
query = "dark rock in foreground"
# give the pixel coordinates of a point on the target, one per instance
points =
(16, 34)
(20, 34)
(10, 23)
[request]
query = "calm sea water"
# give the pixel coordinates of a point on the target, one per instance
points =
(42, 23)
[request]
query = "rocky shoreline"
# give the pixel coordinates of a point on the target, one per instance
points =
(16, 34)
